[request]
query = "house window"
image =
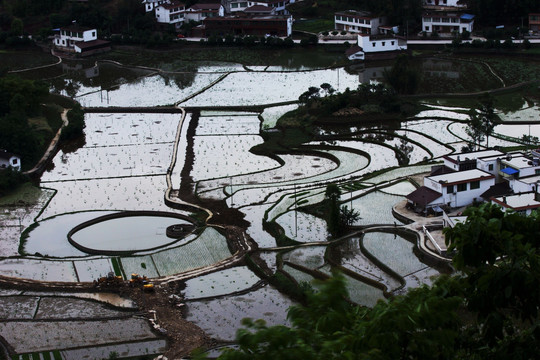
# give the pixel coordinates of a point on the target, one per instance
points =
(373, 44)
(93, 34)
(537, 172)
(427, 28)
(392, 42)
(490, 167)
(14, 161)
(475, 185)
(462, 187)
(383, 43)
(450, 189)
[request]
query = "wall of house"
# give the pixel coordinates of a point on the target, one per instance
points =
(356, 24)
(443, 24)
(386, 44)
(456, 198)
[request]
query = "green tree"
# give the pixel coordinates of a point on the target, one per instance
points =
(333, 221)
(402, 77)
(482, 121)
(17, 27)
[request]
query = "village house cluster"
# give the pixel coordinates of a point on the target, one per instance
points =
(376, 38)
(510, 180)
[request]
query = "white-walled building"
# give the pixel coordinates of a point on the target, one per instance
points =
(358, 21)
(438, 4)
(199, 12)
(279, 6)
(10, 160)
(171, 13)
(525, 184)
(517, 165)
(70, 35)
(485, 160)
(456, 189)
(447, 22)
(377, 46)
(522, 203)
(80, 40)
(150, 5)
(460, 188)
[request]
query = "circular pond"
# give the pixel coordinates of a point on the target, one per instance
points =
(126, 233)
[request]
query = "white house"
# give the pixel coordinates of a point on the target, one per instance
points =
(436, 4)
(199, 12)
(150, 5)
(485, 160)
(8, 159)
(522, 203)
(171, 13)
(70, 35)
(525, 184)
(358, 21)
(454, 189)
(518, 165)
(447, 22)
(279, 6)
(377, 47)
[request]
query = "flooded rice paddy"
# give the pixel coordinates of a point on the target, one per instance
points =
(124, 166)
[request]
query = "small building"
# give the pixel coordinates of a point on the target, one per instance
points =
(517, 165)
(460, 188)
(171, 13)
(485, 160)
(150, 5)
(199, 12)
(534, 22)
(362, 22)
(80, 40)
(525, 184)
(276, 25)
(447, 23)
(9, 160)
(279, 6)
(371, 47)
(522, 203)
(443, 4)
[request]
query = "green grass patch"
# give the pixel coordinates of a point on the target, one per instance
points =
(56, 355)
(116, 266)
(46, 355)
(35, 356)
(26, 357)
(26, 193)
(314, 25)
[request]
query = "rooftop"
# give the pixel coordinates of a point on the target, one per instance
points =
(518, 162)
(455, 158)
(521, 201)
(461, 176)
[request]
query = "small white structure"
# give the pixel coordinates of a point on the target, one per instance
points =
(199, 12)
(70, 35)
(377, 47)
(447, 22)
(358, 21)
(171, 13)
(474, 160)
(432, 4)
(525, 184)
(522, 203)
(150, 5)
(518, 165)
(9, 160)
(279, 6)
(461, 188)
